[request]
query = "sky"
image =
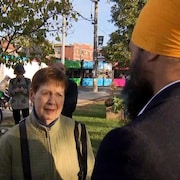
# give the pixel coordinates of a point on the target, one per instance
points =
(82, 31)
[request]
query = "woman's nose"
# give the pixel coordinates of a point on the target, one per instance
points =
(51, 99)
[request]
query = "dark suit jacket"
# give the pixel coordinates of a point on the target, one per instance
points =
(147, 148)
(70, 101)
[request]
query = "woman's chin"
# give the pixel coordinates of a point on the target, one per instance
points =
(49, 119)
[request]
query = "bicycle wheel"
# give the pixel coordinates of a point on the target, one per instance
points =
(1, 116)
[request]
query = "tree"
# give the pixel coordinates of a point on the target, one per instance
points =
(124, 15)
(25, 24)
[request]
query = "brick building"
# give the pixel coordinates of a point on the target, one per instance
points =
(75, 51)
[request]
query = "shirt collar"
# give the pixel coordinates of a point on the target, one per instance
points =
(42, 123)
(142, 110)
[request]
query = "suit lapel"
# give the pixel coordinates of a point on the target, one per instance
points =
(168, 93)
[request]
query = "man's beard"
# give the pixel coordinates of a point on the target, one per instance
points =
(137, 92)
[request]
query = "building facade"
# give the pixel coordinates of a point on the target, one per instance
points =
(75, 52)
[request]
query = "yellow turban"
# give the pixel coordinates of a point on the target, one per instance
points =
(158, 28)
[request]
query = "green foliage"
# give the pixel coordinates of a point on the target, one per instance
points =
(124, 15)
(25, 24)
(117, 104)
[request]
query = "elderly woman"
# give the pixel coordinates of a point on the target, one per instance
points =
(44, 146)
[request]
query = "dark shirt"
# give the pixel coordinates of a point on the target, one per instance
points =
(70, 101)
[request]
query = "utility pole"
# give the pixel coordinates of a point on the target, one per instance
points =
(63, 35)
(95, 50)
(63, 39)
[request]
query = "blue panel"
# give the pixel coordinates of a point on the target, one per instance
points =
(88, 65)
(87, 82)
(100, 81)
(100, 65)
(107, 82)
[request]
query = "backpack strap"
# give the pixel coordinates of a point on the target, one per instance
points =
(84, 148)
(82, 157)
(25, 151)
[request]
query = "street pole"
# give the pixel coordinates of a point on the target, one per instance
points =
(63, 39)
(95, 50)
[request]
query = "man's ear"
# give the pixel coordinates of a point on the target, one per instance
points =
(151, 56)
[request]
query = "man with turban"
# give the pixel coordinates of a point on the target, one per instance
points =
(149, 146)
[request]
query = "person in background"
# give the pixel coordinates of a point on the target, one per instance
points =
(43, 146)
(148, 147)
(71, 94)
(19, 92)
(4, 83)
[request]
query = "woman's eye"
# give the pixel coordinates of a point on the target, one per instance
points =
(59, 95)
(45, 93)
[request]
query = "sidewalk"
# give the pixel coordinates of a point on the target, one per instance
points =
(86, 95)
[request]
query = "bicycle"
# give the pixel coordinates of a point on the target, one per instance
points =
(4, 104)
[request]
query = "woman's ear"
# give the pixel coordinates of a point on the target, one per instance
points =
(31, 96)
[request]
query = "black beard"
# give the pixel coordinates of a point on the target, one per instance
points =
(136, 95)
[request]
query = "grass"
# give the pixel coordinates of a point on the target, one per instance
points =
(94, 117)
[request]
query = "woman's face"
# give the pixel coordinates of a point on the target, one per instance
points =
(48, 101)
